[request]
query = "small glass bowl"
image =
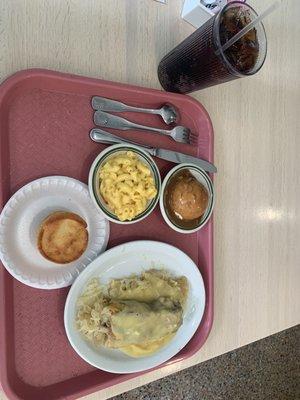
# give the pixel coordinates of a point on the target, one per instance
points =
(94, 184)
(205, 180)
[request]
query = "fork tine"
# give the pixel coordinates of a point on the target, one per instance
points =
(181, 138)
(186, 137)
(193, 138)
(194, 135)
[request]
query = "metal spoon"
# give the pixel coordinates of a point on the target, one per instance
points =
(168, 112)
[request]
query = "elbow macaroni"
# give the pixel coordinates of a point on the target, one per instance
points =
(126, 185)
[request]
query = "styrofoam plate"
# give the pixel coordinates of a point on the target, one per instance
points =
(21, 218)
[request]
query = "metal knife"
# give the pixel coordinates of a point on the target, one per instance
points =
(101, 136)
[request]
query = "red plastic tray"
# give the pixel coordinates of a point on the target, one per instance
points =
(45, 118)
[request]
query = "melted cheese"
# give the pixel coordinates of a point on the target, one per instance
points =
(138, 315)
(152, 286)
(141, 323)
(135, 350)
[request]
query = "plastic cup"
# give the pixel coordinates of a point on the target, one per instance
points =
(199, 62)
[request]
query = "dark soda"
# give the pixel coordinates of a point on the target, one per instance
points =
(199, 62)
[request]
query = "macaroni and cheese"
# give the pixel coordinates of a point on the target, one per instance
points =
(126, 185)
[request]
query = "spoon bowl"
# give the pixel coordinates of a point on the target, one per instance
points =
(169, 114)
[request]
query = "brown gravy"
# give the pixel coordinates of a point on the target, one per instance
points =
(185, 200)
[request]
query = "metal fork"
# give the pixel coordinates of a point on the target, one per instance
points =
(179, 133)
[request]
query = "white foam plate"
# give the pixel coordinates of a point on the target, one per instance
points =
(122, 261)
(21, 218)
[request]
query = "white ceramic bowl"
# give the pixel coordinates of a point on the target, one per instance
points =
(125, 260)
(94, 181)
(205, 180)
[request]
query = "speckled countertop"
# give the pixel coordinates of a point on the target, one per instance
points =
(265, 370)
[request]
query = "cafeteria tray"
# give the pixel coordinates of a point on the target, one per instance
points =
(45, 118)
